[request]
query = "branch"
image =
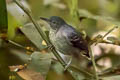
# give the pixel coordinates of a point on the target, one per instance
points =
(104, 41)
(45, 38)
(93, 62)
(18, 45)
(96, 40)
(109, 31)
(99, 38)
(110, 71)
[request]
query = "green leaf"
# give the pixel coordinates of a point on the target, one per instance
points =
(113, 39)
(40, 62)
(12, 25)
(3, 15)
(112, 78)
(107, 20)
(32, 34)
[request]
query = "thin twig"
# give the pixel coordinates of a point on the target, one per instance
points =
(93, 62)
(39, 29)
(82, 71)
(91, 54)
(100, 38)
(18, 45)
(109, 31)
(106, 42)
(115, 70)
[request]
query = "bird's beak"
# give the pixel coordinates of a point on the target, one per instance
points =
(45, 19)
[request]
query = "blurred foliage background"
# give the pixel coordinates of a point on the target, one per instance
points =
(100, 16)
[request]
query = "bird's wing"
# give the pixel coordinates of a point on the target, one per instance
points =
(75, 39)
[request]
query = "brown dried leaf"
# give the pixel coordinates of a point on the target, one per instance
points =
(17, 67)
(26, 74)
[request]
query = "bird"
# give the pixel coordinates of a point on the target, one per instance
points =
(65, 38)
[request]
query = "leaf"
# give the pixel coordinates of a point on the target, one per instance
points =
(3, 15)
(16, 17)
(54, 3)
(12, 25)
(40, 62)
(59, 70)
(33, 35)
(26, 74)
(114, 40)
(112, 78)
(108, 20)
(21, 55)
(1, 43)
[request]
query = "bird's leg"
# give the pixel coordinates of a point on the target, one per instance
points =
(68, 64)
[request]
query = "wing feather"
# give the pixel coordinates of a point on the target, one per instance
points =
(76, 40)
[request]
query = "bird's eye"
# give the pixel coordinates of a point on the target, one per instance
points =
(54, 22)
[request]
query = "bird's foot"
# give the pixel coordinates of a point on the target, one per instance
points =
(68, 64)
(51, 47)
(86, 56)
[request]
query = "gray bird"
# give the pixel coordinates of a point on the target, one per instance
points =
(65, 38)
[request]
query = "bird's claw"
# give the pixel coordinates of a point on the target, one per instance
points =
(51, 47)
(68, 64)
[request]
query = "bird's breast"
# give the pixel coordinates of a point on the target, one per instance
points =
(60, 43)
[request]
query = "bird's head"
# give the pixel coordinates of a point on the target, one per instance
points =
(55, 22)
